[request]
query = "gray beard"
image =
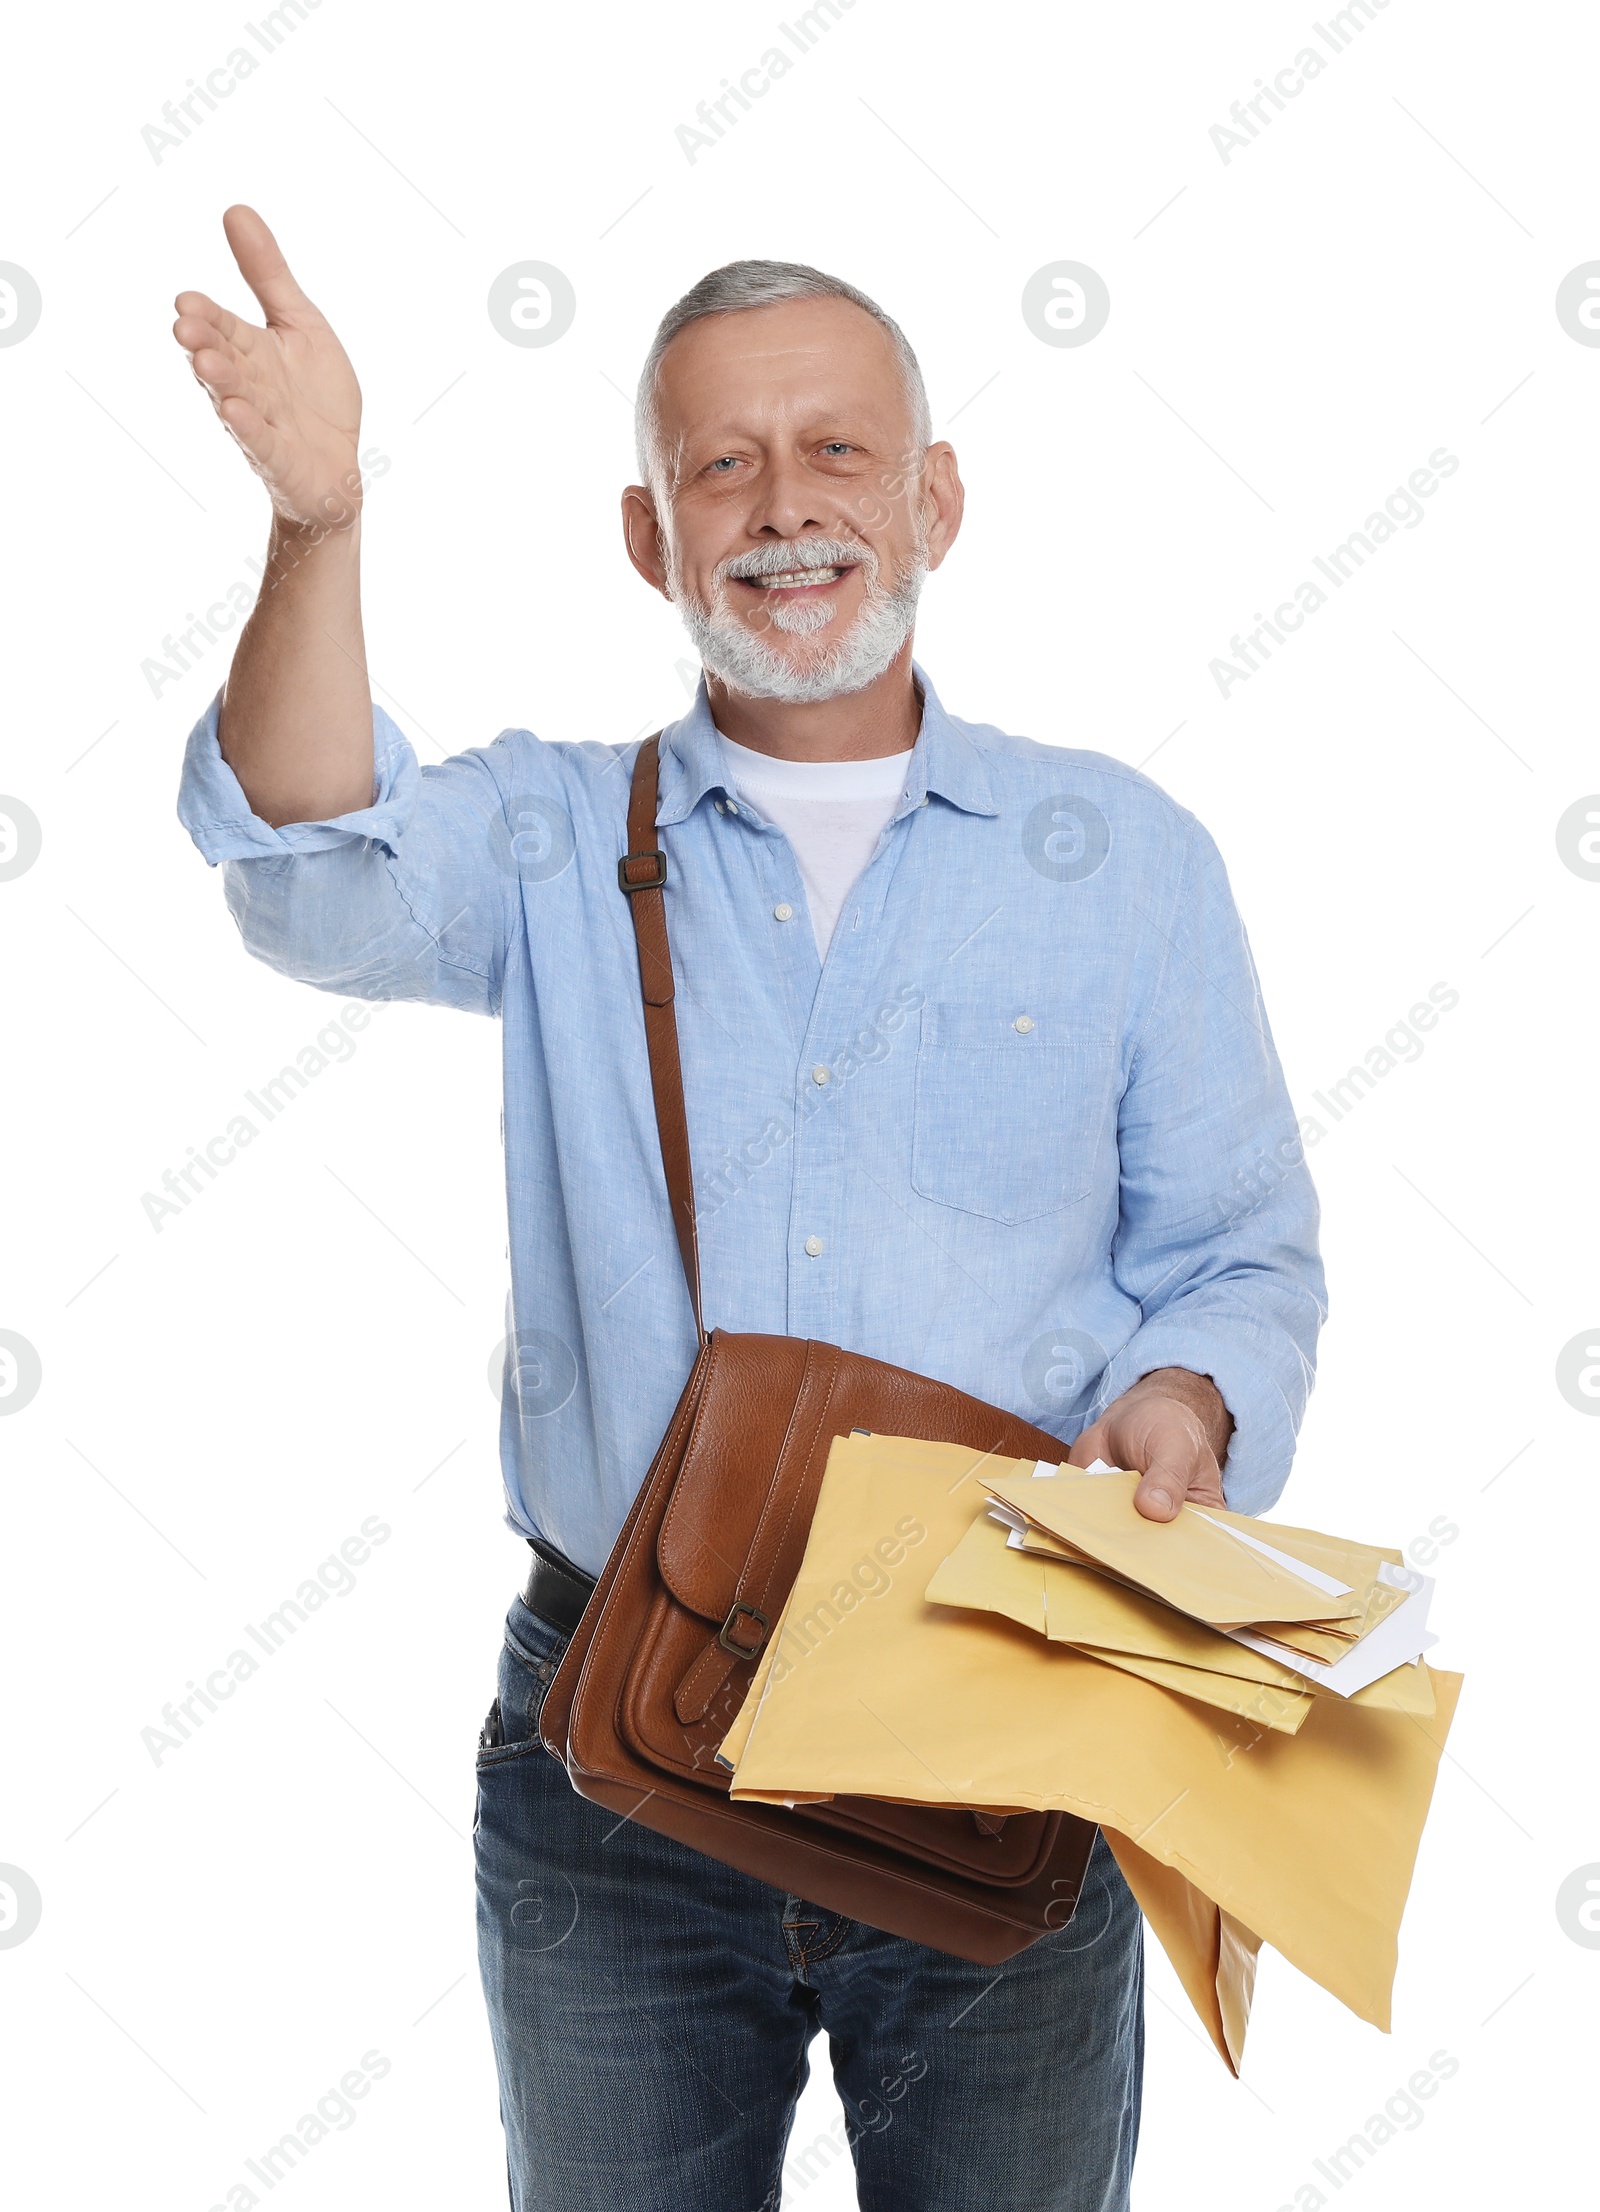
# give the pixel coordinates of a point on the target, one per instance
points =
(747, 664)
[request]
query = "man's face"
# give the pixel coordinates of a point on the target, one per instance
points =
(793, 516)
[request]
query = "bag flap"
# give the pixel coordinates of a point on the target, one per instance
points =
(747, 1479)
(769, 1409)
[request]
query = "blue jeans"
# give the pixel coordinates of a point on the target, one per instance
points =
(651, 2012)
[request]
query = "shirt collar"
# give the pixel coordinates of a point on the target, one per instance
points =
(945, 764)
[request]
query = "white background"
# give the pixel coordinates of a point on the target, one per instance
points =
(1292, 333)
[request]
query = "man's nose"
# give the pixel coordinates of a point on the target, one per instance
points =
(788, 505)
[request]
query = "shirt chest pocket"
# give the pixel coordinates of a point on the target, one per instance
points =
(1013, 1114)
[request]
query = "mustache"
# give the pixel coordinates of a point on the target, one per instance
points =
(788, 553)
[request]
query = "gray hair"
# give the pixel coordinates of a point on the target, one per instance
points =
(742, 284)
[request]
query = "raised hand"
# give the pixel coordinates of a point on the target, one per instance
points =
(286, 392)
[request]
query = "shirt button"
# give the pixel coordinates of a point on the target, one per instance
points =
(721, 805)
(784, 913)
(1022, 1024)
(820, 1074)
(813, 1247)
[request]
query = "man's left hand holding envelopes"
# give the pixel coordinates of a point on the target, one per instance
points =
(1045, 1646)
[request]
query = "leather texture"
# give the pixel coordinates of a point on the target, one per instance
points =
(661, 1659)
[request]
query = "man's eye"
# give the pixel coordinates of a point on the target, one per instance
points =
(728, 461)
(838, 445)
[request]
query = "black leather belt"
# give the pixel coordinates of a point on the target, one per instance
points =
(557, 1590)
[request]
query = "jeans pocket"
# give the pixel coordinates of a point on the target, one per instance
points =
(529, 1657)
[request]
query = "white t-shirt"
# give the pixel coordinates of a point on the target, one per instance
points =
(832, 811)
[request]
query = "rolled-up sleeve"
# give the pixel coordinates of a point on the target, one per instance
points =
(1217, 1239)
(401, 899)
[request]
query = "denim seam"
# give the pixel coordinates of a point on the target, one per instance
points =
(802, 1955)
(530, 1659)
(827, 1949)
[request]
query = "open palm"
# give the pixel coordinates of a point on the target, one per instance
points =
(286, 392)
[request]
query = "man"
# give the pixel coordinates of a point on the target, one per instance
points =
(978, 1082)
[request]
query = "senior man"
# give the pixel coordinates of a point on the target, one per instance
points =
(978, 1082)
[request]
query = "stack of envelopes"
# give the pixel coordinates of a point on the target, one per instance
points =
(1241, 1706)
(1247, 1615)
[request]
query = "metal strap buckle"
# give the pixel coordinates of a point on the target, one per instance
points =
(743, 1651)
(654, 883)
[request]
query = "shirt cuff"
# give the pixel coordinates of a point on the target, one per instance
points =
(214, 810)
(1243, 1364)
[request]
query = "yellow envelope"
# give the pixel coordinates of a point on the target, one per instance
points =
(1408, 1689)
(1074, 1605)
(1337, 1639)
(1338, 1556)
(1213, 1956)
(1051, 1547)
(1356, 1564)
(1188, 1562)
(731, 1748)
(1311, 1643)
(1308, 1840)
(1079, 1606)
(1251, 1701)
(1351, 1562)
(1341, 1557)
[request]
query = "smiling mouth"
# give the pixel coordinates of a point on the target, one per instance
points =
(795, 579)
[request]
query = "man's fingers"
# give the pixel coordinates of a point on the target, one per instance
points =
(1205, 1486)
(197, 336)
(1159, 1496)
(200, 307)
(220, 368)
(1170, 1481)
(262, 265)
(1162, 1489)
(1177, 1466)
(218, 372)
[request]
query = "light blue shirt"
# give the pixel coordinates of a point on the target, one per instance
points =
(1024, 1129)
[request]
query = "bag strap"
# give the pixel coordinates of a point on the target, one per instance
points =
(641, 873)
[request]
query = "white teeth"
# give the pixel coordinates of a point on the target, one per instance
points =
(786, 579)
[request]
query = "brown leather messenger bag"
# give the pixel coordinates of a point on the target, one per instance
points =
(669, 1640)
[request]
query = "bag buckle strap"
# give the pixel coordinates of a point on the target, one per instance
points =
(653, 882)
(726, 1638)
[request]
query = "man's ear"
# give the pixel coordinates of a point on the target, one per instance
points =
(641, 534)
(944, 498)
